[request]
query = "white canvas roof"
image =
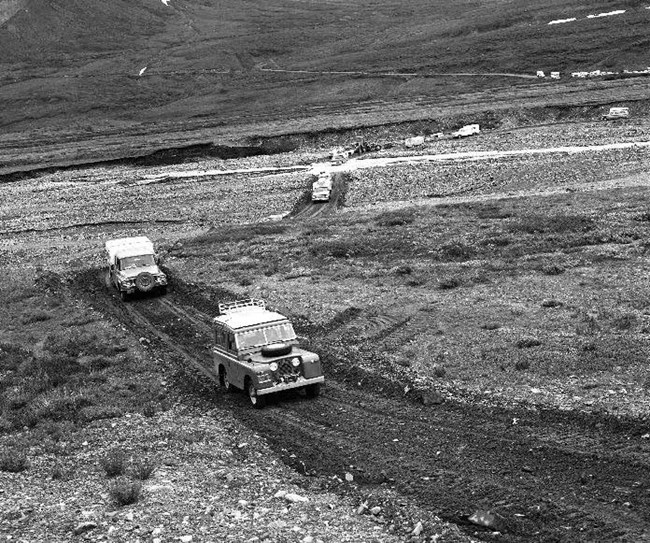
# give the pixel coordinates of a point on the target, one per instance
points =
(250, 317)
(123, 247)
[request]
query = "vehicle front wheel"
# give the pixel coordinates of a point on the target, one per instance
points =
(257, 401)
(223, 380)
(312, 391)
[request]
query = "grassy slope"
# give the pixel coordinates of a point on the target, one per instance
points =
(498, 298)
(74, 65)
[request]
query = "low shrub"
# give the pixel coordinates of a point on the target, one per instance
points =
(528, 342)
(396, 218)
(456, 250)
(558, 224)
(339, 248)
(114, 463)
(61, 473)
(143, 468)
(438, 370)
(125, 491)
(492, 211)
(13, 461)
(521, 365)
(57, 405)
(99, 412)
(552, 269)
(416, 280)
(625, 322)
(447, 283)
(12, 356)
(35, 316)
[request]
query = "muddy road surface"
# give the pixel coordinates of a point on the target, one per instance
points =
(548, 475)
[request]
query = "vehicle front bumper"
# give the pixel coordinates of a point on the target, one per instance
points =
(298, 383)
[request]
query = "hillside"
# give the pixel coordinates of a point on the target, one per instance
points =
(74, 65)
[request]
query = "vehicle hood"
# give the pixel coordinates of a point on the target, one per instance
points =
(132, 273)
(303, 354)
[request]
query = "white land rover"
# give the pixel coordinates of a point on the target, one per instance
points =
(132, 266)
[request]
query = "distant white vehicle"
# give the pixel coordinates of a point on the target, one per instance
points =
(415, 141)
(617, 113)
(465, 131)
(133, 267)
(322, 188)
(540, 73)
(555, 75)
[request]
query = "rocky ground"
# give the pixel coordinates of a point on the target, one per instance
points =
(440, 303)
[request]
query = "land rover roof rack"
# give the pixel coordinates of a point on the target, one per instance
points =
(240, 305)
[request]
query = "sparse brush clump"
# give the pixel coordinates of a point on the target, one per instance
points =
(396, 218)
(125, 491)
(114, 463)
(527, 342)
(143, 468)
(448, 283)
(13, 461)
(552, 269)
(521, 365)
(35, 316)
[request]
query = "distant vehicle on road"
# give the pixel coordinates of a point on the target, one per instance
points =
(322, 188)
(617, 113)
(415, 141)
(256, 350)
(132, 266)
(465, 131)
(340, 154)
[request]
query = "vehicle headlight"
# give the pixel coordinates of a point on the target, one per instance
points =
(295, 362)
(273, 366)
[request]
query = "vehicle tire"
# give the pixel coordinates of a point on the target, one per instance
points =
(312, 391)
(276, 349)
(223, 380)
(145, 282)
(258, 401)
(124, 295)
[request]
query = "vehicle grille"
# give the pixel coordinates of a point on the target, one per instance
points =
(286, 372)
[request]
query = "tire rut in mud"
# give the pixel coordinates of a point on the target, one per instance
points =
(553, 476)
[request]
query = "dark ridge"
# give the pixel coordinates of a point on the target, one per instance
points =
(160, 157)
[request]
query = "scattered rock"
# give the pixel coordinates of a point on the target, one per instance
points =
(349, 477)
(295, 498)
(418, 529)
(185, 538)
(362, 508)
(488, 519)
(375, 510)
(84, 527)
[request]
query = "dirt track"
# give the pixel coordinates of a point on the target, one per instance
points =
(553, 476)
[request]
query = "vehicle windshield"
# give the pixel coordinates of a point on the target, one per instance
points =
(130, 262)
(266, 335)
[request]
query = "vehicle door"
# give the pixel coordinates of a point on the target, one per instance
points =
(220, 352)
(237, 368)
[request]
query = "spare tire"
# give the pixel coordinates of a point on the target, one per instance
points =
(145, 282)
(276, 349)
